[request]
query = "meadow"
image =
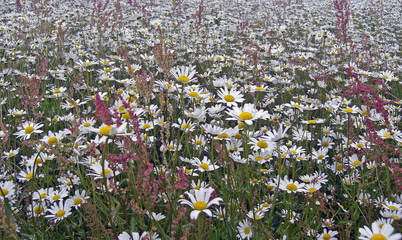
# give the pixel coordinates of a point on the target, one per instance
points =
(200, 119)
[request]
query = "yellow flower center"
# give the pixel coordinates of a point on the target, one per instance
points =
(262, 144)
(360, 145)
(200, 205)
(29, 176)
(106, 130)
(355, 163)
(378, 236)
(193, 94)
(259, 158)
(204, 166)
(126, 115)
(38, 209)
(392, 207)
(52, 140)
(255, 181)
(291, 187)
(326, 236)
(259, 89)
(183, 79)
(348, 110)
(312, 121)
(57, 91)
(313, 189)
(320, 157)
(146, 125)
(4, 192)
(87, 124)
(60, 213)
(197, 187)
(55, 197)
(77, 201)
(198, 142)
(43, 195)
(246, 230)
(245, 116)
(171, 147)
(29, 129)
(11, 154)
(223, 135)
(229, 98)
(105, 172)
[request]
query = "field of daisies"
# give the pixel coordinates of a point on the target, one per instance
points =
(200, 119)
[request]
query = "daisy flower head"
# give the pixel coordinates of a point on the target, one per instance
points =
(184, 74)
(78, 199)
(7, 190)
(135, 236)
(248, 113)
(200, 202)
(291, 186)
(11, 153)
(27, 129)
(352, 109)
(230, 97)
(244, 229)
(204, 165)
(327, 235)
(379, 233)
(59, 211)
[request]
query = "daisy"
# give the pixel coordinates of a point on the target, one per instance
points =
(377, 233)
(291, 186)
(262, 144)
(7, 190)
(59, 211)
(100, 171)
(248, 113)
(132, 236)
(355, 162)
(11, 153)
(244, 229)
(391, 214)
(156, 216)
(352, 109)
(230, 97)
(320, 154)
(256, 214)
(200, 202)
(204, 165)
(55, 195)
(276, 134)
(327, 235)
(220, 214)
(39, 209)
(312, 187)
(27, 129)
(27, 174)
(392, 206)
(313, 121)
(184, 74)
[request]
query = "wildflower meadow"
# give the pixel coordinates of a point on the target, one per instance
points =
(200, 119)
